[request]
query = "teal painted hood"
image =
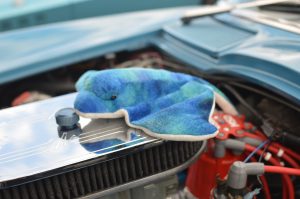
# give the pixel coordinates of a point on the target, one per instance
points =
(222, 44)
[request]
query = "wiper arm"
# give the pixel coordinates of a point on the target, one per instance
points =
(273, 21)
(292, 7)
(212, 10)
(281, 20)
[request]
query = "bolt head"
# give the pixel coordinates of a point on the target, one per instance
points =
(66, 117)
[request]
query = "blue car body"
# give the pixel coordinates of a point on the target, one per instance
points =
(15, 14)
(220, 44)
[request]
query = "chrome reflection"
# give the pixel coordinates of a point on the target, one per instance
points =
(30, 143)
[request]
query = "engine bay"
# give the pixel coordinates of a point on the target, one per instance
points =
(262, 103)
(265, 116)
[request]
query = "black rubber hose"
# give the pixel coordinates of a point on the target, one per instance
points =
(288, 137)
(243, 101)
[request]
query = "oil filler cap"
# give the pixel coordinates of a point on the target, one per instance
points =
(67, 121)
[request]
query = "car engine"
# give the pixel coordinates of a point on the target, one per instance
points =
(232, 165)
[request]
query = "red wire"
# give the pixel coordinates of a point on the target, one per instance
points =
(284, 188)
(286, 157)
(282, 170)
(288, 188)
(266, 187)
(288, 151)
(261, 136)
(287, 183)
(264, 183)
(286, 179)
(291, 162)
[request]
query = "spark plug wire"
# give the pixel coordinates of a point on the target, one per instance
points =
(282, 170)
(290, 192)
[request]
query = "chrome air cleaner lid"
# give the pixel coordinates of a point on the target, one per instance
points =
(31, 142)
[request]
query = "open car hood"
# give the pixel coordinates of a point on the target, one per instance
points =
(223, 44)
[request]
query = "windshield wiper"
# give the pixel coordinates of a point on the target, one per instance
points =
(270, 20)
(291, 7)
(281, 20)
(212, 10)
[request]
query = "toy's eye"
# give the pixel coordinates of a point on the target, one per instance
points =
(113, 97)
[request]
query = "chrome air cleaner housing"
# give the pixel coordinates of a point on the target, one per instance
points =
(38, 161)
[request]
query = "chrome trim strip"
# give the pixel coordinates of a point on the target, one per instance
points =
(267, 20)
(218, 9)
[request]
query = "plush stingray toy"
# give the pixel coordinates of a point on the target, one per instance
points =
(167, 105)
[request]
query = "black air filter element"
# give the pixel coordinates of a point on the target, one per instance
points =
(107, 174)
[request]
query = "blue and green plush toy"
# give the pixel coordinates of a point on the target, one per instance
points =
(164, 104)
